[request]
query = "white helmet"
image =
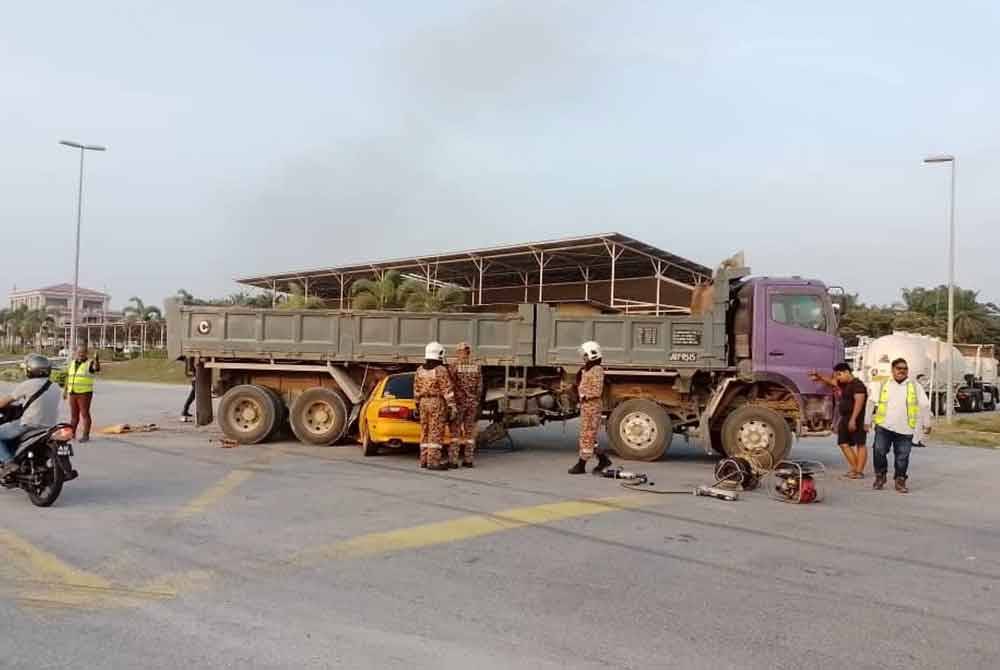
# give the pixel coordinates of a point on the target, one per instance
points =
(434, 351)
(591, 350)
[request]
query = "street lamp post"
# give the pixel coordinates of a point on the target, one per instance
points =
(950, 409)
(79, 216)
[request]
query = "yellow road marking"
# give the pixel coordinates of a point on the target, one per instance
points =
(466, 528)
(213, 494)
(43, 580)
(47, 577)
(222, 488)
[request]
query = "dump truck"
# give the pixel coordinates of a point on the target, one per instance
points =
(733, 373)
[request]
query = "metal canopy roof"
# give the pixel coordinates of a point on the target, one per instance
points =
(609, 257)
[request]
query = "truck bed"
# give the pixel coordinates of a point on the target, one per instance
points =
(536, 335)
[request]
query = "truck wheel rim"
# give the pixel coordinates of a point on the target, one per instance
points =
(756, 436)
(638, 430)
(247, 415)
(319, 417)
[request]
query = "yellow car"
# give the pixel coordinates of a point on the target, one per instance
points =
(387, 416)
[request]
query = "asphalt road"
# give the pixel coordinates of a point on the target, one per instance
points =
(171, 552)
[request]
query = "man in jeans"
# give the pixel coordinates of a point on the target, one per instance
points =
(898, 410)
(42, 412)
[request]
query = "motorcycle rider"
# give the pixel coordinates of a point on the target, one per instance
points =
(42, 412)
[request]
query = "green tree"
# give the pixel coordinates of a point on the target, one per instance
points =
(6, 326)
(917, 322)
(186, 298)
(377, 294)
(925, 311)
(31, 325)
(416, 296)
(137, 310)
(297, 299)
(864, 320)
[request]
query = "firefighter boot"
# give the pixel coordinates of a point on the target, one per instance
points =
(602, 462)
(579, 468)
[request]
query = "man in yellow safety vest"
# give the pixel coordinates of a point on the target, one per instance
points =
(898, 410)
(79, 389)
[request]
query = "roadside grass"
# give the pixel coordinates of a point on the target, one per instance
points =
(978, 430)
(158, 370)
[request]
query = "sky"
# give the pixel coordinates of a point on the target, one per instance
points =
(254, 137)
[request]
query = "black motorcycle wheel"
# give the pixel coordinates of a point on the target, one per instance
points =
(48, 491)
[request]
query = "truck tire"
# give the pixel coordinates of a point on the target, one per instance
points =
(750, 431)
(319, 416)
(280, 411)
(640, 430)
(247, 414)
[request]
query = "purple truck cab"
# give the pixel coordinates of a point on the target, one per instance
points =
(794, 331)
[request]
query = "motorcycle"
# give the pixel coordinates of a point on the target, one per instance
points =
(42, 456)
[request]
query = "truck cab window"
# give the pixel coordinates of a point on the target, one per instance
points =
(801, 311)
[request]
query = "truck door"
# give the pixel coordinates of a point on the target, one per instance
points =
(800, 335)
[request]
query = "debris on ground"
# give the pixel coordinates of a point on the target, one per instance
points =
(122, 428)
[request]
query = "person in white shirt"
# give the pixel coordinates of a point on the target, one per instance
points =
(899, 410)
(38, 399)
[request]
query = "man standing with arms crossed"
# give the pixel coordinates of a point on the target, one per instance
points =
(851, 434)
(80, 389)
(898, 411)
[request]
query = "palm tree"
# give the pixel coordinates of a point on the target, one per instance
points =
(186, 298)
(417, 296)
(297, 299)
(377, 294)
(6, 321)
(32, 325)
(261, 300)
(140, 311)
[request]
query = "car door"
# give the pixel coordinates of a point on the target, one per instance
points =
(800, 335)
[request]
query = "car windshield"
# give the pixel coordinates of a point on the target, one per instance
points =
(399, 386)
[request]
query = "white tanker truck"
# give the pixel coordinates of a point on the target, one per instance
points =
(928, 359)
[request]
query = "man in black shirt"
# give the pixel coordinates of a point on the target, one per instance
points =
(850, 426)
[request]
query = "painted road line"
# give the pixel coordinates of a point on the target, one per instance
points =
(221, 488)
(213, 494)
(44, 580)
(466, 528)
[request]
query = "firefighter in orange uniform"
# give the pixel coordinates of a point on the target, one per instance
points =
(468, 382)
(590, 389)
(434, 396)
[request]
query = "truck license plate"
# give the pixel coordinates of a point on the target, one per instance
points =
(684, 356)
